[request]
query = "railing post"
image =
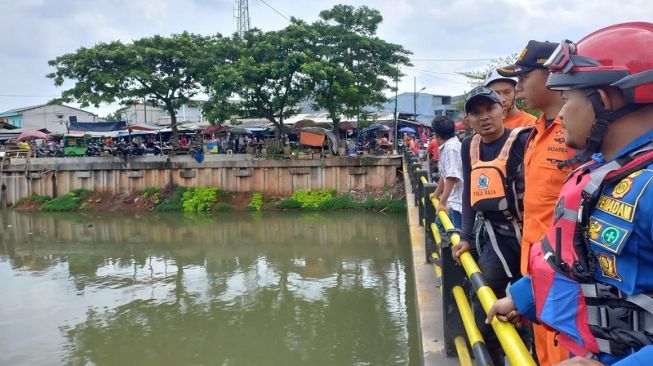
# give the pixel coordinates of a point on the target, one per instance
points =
(419, 193)
(415, 167)
(452, 275)
(430, 246)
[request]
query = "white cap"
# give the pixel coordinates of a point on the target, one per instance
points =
(493, 76)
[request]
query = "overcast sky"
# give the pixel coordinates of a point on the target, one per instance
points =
(35, 31)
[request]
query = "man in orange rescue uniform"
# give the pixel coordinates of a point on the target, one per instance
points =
(545, 151)
(505, 87)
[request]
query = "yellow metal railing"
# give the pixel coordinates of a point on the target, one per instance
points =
(514, 348)
(511, 343)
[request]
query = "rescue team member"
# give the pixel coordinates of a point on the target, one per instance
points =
(492, 187)
(505, 87)
(546, 149)
(592, 275)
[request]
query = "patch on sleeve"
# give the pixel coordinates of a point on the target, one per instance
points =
(608, 264)
(622, 188)
(608, 236)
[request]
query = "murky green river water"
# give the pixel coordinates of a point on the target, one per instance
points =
(229, 289)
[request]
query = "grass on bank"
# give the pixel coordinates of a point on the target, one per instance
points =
(324, 200)
(69, 202)
(211, 199)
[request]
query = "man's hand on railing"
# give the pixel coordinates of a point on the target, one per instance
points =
(504, 309)
(458, 250)
(443, 206)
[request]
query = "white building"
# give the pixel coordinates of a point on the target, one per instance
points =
(147, 114)
(53, 117)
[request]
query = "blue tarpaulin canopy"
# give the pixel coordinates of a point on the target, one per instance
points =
(136, 133)
(97, 126)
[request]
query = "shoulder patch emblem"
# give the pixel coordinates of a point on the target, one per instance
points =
(607, 236)
(608, 264)
(622, 188)
(559, 137)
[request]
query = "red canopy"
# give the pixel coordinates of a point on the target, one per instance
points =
(32, 135)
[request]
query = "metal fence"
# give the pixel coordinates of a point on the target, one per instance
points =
(458, 319)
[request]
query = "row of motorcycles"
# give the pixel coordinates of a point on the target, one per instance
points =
(124, 149)
(120, 148)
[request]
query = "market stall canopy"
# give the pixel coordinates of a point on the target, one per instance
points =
(408, 130)
(256, 129)
(32, 135)
(125, 133)
(97, 126)
(376, 127)
(239, 131)
(214, 129)
(309, 135)
(303, 123)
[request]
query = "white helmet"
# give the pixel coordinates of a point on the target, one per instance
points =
(493, 76)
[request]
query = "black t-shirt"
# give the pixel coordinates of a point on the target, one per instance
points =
(489, 152)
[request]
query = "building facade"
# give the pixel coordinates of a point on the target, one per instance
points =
(423, 107)
(140, 113)
(52, 117)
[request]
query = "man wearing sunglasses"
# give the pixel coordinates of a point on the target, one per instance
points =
(592, 274)
(544, 168)
(492, 188)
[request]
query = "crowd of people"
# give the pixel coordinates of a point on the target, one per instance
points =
(556, 205)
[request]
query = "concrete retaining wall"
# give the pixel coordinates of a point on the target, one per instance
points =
(235, 173)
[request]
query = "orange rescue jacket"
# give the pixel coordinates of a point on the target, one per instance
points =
(543, 179)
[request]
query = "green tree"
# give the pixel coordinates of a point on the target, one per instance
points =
(114, 117)
(268, 73)
(221, 79)
(352, 67)
(160, 70)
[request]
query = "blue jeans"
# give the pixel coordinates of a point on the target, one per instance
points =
(456, 218)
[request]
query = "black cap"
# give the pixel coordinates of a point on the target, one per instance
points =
(480, 92)
(532, 57)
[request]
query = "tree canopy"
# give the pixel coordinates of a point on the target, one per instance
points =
(160, 70)
(338, 62)
(353, 67)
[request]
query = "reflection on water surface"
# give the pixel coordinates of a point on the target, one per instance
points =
(229, 289)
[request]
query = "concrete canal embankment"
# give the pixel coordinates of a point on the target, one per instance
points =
(234, 173)
(428, 295)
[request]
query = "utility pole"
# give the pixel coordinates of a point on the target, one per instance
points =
(241, 14)
(396, 124)
(414, 98)
(415, 92)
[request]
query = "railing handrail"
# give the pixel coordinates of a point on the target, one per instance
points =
(512, 344)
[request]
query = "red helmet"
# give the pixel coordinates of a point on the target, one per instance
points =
(620, 55)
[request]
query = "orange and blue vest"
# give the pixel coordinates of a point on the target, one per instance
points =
(592, 274)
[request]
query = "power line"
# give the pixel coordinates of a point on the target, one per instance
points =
(426, 74)
(428, 71)
(448, 59)
(27, 96)
(275, 10)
